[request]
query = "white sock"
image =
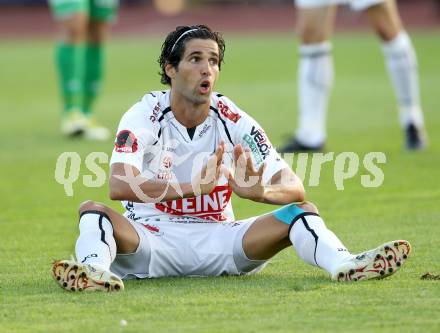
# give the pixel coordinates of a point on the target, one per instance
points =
(95, 244)
(315, 79)
(317, 245)
(401, 62)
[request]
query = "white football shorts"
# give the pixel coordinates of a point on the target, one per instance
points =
(354, 4)
(190, 248)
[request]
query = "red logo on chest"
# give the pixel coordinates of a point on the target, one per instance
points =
(227, 112)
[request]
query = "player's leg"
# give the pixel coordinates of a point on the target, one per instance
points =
(103, 233)
(301, 226)
(315, 74)
(98, 223)
(401, 62)
(72, 18)
(97, 35)
(102, 13)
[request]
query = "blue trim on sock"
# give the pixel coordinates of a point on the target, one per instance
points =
(287, 213)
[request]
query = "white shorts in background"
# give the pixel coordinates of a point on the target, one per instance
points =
(190, 248)
(354, 4)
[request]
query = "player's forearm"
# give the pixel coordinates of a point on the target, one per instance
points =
(148, 191)
(283, 194)
(285, 188)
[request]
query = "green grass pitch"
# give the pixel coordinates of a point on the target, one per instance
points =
(38, 222)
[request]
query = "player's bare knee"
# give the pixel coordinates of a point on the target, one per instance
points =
(97, 32)
(384, 19)
(90, 205)
(309, 34)
(315, 25)
(75, 28)
(386, 34)
(309, 207)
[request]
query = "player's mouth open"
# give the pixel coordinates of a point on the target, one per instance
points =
(205, 87)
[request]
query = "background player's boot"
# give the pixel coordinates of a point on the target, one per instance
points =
(294, 146)
(95, 132)
(74, 276)
(378, 263)
(415, 138)
(73, 123)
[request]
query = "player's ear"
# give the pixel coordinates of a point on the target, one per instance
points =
(170, 70)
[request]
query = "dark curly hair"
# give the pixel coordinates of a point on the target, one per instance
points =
(174, 46)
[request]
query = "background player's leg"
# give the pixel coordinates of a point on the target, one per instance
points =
(102, 13)
(97, 35)
(401, 62)
(315, 77)
(70, 58)
(72, 18)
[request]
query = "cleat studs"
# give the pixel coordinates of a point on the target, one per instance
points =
(405, 256)
(58, 278)
(80, 289)
(382, 272)
(351, 272)
(378, 256)
(396, 244)
(117, 286)
(65, 265)
(398, 264)
(75, 267)
(355, 279)
(72, 289)
(64, 284)
(387, 248)
(390, 270)
(83, 274)
(341, 275)
(107, 285)
(72, 277)
(390, 257)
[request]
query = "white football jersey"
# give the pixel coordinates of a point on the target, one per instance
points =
(152, 140)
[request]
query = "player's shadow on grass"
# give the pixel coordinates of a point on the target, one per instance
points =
(240, 284)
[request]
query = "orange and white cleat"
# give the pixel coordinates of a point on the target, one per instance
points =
(374, 264)
(73, 276)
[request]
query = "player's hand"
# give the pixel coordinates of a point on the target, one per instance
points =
(207, 179)
(245, 181)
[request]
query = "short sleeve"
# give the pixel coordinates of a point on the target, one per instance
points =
(134, 135)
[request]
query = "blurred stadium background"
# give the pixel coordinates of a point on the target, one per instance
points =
(147, 16)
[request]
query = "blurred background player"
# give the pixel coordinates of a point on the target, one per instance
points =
(315, 73)
(84, 26)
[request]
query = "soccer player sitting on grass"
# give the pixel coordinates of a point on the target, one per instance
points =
(178, 156)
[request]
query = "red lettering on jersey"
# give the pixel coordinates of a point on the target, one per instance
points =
(208, 206)
(151, 227)
(226, 111)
